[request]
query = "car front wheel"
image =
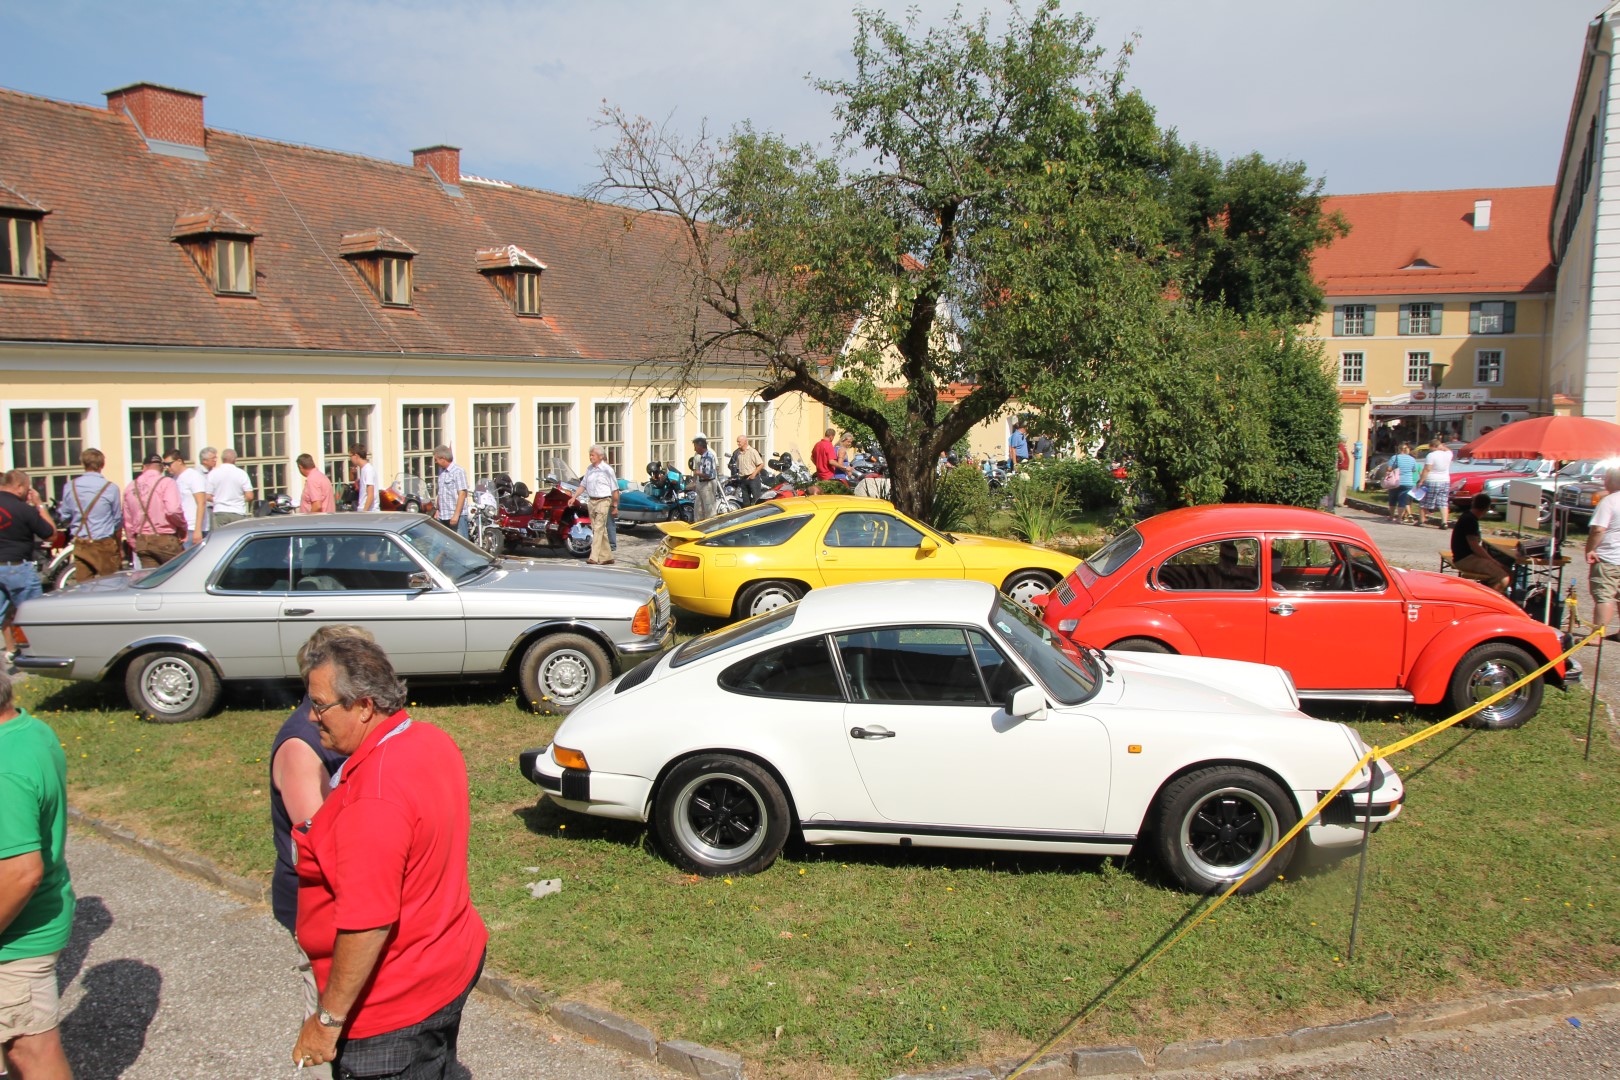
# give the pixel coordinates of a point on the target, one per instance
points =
(171, 687)
(561, 670)
(1024, 586)
(720, 814)
(1214, 825)
(1484, 671)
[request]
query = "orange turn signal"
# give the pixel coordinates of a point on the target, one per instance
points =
(641, 625)
(568, 759)
(21, 636)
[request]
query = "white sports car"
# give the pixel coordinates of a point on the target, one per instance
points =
(940, 714)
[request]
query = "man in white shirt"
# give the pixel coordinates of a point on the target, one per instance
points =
(1603, 553)
(193, 483)
(366, 489)
(599, 488)
(229, 489)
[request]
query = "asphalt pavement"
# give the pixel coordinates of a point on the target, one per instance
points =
(168, 978)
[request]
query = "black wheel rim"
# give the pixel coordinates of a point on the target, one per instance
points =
(720, 819)
(1225, 835)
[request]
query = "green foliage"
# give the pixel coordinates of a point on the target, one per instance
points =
(1089, 483)
(894, 410)
(829, 487)
(1302, 407)
(1039, 510)
(961, 500)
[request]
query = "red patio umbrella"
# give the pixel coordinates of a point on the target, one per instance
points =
(1560, 438)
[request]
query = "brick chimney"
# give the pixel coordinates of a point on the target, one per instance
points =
(163, 113)
(444, 160)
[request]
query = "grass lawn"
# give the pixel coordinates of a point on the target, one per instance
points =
(870, 961)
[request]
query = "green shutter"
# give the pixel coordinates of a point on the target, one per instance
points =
(1405, 325)
(1436, 317)
(1369, 318)
(1473, 317)
(1508, 311)
(1338, 320)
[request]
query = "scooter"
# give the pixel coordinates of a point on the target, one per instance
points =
(557, 521)
(662, 498)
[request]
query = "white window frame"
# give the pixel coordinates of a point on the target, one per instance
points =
(674, 440)
(373, 435)
(529, 279)
(763, 443)
(196, 407)
(512, 431)
(291, 430)
(388, 283)
(1361, 365)
(1428, 358)
(720, 443)
(90, 432)
(242, 282)
(447, 423)
(1479, 370)
(1500, 317)
(1429, 328)
(1361, 327)
(627, 433)
(569, 449)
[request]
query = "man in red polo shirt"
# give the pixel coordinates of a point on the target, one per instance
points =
(384, 911)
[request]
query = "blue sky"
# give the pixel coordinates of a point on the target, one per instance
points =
(1377, 95)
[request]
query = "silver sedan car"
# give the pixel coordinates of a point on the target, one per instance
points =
(239, 605)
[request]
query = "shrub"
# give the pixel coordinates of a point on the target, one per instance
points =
(1090, 484)
(1039, 510)
(961, 498)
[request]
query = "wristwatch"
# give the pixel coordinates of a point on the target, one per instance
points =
(328, 1020)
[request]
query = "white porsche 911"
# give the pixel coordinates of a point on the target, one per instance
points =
(941, 714)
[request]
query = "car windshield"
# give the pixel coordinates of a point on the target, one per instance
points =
(1115, 554)
(458, 559)
(158, 575)
(1576, 469)
(736, 634)
(1069, 681)
(737, 517)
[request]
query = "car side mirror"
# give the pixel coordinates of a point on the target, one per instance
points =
(420, 582)
(927, 547)
(1026, 702)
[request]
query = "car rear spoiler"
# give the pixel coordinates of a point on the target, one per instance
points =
(679, 530)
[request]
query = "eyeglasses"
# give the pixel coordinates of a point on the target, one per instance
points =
(319, 711)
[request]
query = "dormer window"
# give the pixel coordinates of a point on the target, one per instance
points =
(384, 261)
(516, 276)
(22, 246)
(221, 248)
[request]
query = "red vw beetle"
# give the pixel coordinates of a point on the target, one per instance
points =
(1308, 592)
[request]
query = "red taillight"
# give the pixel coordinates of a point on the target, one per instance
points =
(681, 562)
(641, 625)
(21, 636)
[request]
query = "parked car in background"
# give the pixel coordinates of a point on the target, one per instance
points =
(940, 714)
(749, 561)
(1494, 482)
(1582, 488)
(240, 604)
(1310, 593)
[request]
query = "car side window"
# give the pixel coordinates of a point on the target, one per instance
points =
(350, 562)
(1230, 565)
(1301, 564)
(865, 529)
(260, 565)
(799, 669)
(768, 534)
(1001, 675)
(1365, 573)
(914, 665)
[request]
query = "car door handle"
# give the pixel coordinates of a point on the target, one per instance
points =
(1283, 609)
(871, 733)
(298, 611)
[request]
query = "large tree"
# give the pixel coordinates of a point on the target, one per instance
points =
(995, 213)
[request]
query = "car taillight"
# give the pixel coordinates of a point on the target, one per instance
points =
(21, 636)
(682, 562)
(1068, 626)
(642, 624)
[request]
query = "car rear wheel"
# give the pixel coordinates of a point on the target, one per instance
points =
(1214, 825)
(561, 670)
(1023, 586)
(720, 814)
(1140, 644)
(764, 596)
(1486, 669)
(171, 687)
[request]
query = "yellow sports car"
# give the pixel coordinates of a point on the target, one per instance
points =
(767, 555)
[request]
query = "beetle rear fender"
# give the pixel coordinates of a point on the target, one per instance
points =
(1431, 673)
(1104, 628)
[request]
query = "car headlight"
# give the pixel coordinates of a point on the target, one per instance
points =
(1456, 486)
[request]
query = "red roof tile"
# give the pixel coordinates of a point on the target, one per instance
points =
(1392, 231)
(115, 274)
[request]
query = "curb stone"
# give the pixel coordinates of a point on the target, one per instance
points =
(587, 1020)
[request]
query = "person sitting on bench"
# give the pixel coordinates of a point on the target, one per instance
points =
(1468, 551)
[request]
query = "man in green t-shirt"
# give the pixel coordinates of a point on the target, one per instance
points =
(36, 897)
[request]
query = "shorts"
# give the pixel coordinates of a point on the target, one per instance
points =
(28, 1001)
(1604, 582)
(1437, 498)
(17, 583)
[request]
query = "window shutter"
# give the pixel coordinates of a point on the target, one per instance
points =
(1369, 316)
(1507, 316)
(1436, 317)
(1338, 320)
(1473, 317)
(1405, 325)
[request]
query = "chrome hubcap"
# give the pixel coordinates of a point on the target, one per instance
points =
(170, 686)
(1490, 679)
(567, 676)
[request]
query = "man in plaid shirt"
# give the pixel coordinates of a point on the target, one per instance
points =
(450, 495)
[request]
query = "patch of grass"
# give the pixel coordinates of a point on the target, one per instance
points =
(871, 961)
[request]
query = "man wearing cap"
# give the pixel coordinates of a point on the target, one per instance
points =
(705, 470)
(92, 516)
(153, 519)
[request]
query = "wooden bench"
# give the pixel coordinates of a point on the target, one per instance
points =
(1447, 567)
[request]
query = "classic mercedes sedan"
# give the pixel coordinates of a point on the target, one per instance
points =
(942, 714)
(239, 605)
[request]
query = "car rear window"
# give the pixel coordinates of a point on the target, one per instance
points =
(1115, 554)
(766, 534)
(736, 634)
(760, 512)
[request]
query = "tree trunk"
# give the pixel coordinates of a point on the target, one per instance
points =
(912, 472)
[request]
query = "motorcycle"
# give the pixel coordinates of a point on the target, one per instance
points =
(782, 478)
(662, 498)
(557, 521)
(484, 526)
(515, 509)
(407, 493)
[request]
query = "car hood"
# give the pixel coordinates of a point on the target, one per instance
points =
(974, 546)
(520, 575)
(1198, 685)
(1444, 589)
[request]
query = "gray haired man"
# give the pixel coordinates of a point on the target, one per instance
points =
(450, 493)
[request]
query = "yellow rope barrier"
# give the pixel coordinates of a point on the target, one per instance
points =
(1374, 754)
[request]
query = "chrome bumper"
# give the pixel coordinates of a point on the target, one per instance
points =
(44, 664)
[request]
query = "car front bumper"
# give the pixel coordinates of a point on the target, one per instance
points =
(1344, 819)
(629, 656)
(587, 791)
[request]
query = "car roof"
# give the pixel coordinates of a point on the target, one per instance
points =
(912, 601)
(382, 521)
(1191, 522)
(834, 502)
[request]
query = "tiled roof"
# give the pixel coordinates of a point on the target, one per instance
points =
(1392, 231)
(116, 275)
